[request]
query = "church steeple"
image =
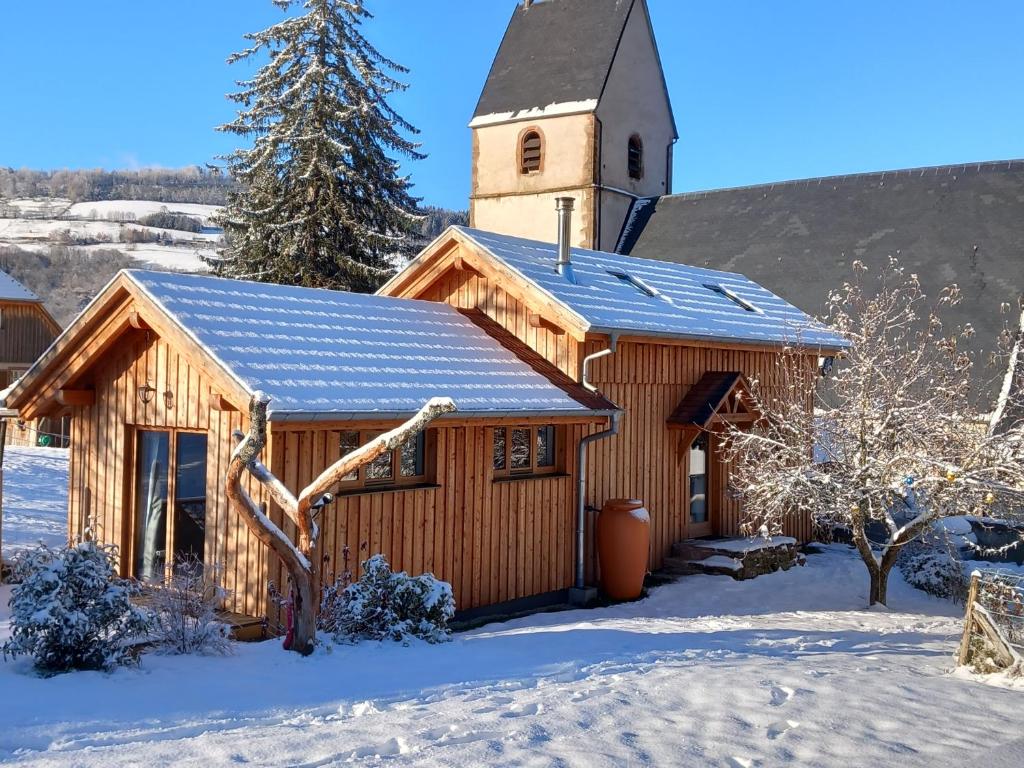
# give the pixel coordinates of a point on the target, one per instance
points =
(575, 105)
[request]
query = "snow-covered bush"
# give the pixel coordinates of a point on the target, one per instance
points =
(384, 605)
(71, 611)
(933, 568)
(185, 612)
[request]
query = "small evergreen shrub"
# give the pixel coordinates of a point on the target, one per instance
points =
(71, 611)
(933, 568)
(384, 605)
(185, 610)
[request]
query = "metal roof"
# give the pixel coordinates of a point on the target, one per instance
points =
(323, 354)
(961, 224)
(12, 290)
(616, 293)
(554, 52)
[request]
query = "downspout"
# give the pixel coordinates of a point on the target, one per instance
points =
(581, 461)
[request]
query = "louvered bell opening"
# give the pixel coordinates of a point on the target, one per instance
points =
(636, 158)
(532, 146)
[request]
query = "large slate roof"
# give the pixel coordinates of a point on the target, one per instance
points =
(12, 290)
(330, 354)
(554, 52)
(616, 293)
(959, 224)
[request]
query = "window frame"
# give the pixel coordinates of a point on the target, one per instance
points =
(534, 470)
(521, 151)
(635, 145)
(361, 482)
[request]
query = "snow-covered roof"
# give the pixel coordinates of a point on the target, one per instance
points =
(615, 293)
(333, 355)
(12, 290)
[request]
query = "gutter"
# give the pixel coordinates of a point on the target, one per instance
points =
(311, 417)
(580, 592)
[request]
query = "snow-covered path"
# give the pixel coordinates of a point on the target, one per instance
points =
(785, 670)
(35, 498)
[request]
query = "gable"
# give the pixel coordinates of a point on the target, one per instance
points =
(554, 59)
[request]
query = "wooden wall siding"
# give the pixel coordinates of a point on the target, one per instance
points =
(644, 460)
(102, 444)
(493, 541)
(468, 290)
(25, 333)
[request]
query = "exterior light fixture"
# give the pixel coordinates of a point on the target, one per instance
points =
(168, 399)
(146, 393)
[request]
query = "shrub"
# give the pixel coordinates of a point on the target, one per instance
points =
(185, 612)
(933, 568)
(384, 605)
(71, 611)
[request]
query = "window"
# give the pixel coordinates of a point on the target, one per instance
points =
(525, 451)
(721, 290)
(406, 465)
(531, 153)
(699, 480)
(635, 158)
(636, 282)
(170, 519)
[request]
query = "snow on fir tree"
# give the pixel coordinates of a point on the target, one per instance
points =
(321, 201)
(71, 611)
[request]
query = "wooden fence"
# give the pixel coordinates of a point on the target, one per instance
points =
(993, 639)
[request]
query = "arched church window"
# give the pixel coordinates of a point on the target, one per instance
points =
(635, 158)
(531, 152)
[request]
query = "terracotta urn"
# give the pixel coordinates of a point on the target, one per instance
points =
(623, 544)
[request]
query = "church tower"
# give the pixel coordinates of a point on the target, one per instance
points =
(575, 105)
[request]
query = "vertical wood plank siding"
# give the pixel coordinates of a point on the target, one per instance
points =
(25, 332)
(102, 445)
(493, 541)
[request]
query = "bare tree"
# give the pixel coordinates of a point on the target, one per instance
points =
(893, 442)
(302, 558)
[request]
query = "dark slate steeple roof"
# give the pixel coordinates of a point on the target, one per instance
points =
(554, 52)
(960, 224)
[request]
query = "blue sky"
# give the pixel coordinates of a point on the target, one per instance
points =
(763, 91)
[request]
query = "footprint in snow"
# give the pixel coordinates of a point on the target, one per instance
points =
(781, 728)
(522, 710)
(390, 748)
(781, 695)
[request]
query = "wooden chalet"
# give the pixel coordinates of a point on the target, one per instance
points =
(628, 362)
(26, 330)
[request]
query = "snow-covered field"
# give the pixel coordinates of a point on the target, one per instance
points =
(789, 669)
(35, 498)
(63, 222)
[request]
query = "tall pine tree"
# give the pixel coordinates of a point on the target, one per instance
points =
(321, 201)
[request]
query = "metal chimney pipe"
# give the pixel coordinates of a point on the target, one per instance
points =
(565, 206)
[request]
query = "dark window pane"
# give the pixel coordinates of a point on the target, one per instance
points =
(151, 505)
(546, 446)
(412, 456)
(500, 436)
(349, 442)
(521, 449)
(190, 497)
(380, 468)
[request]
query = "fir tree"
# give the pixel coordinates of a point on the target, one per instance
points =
(321, 202)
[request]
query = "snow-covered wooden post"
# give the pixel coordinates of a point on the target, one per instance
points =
(302, 558)
(965, 642)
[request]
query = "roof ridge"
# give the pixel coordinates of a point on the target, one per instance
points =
(987, 166)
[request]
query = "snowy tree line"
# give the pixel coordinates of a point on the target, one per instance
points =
(183, 185)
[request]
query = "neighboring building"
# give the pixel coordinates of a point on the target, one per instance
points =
(575, 106)
(158, 372)
(26, 330)
(574, 83)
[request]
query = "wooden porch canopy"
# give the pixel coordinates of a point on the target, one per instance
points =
(719, 397)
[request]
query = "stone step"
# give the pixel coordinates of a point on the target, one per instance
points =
(718, 566)
(739, 558)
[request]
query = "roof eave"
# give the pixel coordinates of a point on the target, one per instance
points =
(626, 332)
(483, 416)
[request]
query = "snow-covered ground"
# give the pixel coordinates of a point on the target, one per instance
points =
(788, 669)
(105, 220)
(35, 498)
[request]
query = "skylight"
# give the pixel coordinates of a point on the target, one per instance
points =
(721, 290)
(635, 281)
